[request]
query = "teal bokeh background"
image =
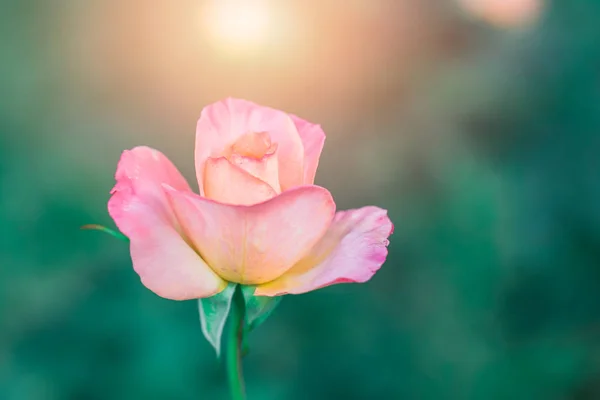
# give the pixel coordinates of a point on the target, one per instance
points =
(483, 141)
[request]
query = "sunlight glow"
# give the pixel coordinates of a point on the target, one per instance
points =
(238, 25)
(504, 13)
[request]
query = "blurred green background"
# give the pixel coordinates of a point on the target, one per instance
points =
(475, 122)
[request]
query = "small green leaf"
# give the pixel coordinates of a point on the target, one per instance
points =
(104, 229)
(258, 308)
(213, 315)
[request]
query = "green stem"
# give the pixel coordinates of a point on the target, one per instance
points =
(234, 347)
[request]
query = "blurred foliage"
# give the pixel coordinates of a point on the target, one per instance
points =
(489, 162)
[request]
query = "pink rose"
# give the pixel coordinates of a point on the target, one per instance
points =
(258, 220)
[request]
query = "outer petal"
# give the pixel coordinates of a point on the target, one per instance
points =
(352, 250)
(255, 244)
(313, 140)
(141, 171)
(222, 123)
(166, 264)
(227, 183)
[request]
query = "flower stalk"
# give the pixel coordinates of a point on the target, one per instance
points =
(235, 341)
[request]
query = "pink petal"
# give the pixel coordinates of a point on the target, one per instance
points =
(166, 264)
(141, 170)
(227, 183)
(352, 250)
(265, 168)
(254, 144)
(221, 124)
(313, 139)
(255, 244)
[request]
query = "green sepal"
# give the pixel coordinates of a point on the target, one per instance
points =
(213, 315)
(258, 308)
(104, 229)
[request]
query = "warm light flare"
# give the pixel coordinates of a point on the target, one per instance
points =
(504, 13)
(238, 25)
